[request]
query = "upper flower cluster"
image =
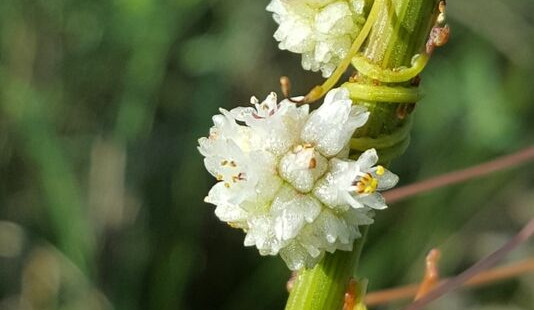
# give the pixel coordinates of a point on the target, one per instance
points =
(321, 30)
(284, 177)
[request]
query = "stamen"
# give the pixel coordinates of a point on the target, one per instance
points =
(233, 224)
(380, 170)
(239, 177)
(367, 184)
(313, 163)
(285, 85)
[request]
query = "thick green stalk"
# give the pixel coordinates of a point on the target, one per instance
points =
(323, 286)
(400, 32)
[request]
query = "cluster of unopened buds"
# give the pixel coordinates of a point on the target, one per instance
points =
(286, 180)
(321, 30)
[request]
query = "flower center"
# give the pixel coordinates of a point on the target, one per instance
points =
(230, 174)
(302, 166)
(367, 184)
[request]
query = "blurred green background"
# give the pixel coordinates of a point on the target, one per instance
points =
(101, 188)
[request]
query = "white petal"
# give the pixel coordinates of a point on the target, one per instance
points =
(357, 217)
(291, 211)
(387, 180)
(231, 213)
(334, 19)
(302, 167)
(333, 188)
(260, 233)
(375, 201)
(333, 123)
(368, 159)
(242, 113)
(295, 256)
(218, 194)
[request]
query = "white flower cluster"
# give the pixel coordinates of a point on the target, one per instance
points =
(285, 179)
(321, 30)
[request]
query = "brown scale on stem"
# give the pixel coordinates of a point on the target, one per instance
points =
(291, 281)
(404, 109)
(439, 35)
(431, 277)
(350, 295)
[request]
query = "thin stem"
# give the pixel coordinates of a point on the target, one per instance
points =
(388, 94)
(396, 75)
(477, 268)
(501, 163)
(483, 278)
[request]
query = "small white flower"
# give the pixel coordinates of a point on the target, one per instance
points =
(321, 30)
(285, 179)
(331, 127)
(355, 183)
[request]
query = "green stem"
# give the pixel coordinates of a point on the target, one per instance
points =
(331, 274)
(399, 33)
(389, 94)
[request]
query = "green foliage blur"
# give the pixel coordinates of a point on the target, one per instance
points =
(101, 188)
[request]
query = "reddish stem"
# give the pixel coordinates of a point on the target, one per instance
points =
(483, 278)
(477, 268)
(507, 161)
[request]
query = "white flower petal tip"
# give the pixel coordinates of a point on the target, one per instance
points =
(284, 176)
(321, 30)
(333, 123)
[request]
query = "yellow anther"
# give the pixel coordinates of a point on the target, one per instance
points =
(233, 224)
(371, 187)
(238, 177)
(380, 170)
(367, 185)
(219, 177)
(227, 185)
